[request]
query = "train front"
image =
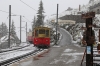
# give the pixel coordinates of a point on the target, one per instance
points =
(41, 37)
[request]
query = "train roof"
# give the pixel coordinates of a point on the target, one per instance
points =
(41, 28)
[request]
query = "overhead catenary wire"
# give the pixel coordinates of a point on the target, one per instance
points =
(6, 19)
(4, 11)
(7, 12)
(28, 5)
(14, 14)
(26, 19)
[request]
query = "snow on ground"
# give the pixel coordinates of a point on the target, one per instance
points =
(12, 54)
(72, 54)
(24, 44)
(57, 61)
(67, 53)
(15, 47)
(56, 46)
(73, 59)
(8, 55)
(74, 41)
(69, 50)
(5, 38)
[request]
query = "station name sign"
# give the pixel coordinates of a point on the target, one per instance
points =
(88, 15)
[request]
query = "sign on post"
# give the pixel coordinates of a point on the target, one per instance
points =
(89, 37)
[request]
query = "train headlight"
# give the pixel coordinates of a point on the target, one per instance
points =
(46, 40)
(36, 40)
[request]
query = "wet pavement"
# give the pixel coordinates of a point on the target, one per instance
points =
(65, 53)
(57, 56)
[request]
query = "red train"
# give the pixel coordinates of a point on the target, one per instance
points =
(41, 37)
(30, 37)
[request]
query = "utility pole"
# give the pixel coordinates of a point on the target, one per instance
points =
(56, 24)
(9, 24)
(99, 35)
(26, 31)
(89, 37)
(20, 28)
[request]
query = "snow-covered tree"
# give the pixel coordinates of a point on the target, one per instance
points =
(3, 29)
(33, 23)
(13, 29)
(13, 32)
(40, 16)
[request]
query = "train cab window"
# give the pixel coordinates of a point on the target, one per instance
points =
(41, 31)
(36, 33)
(47, 33)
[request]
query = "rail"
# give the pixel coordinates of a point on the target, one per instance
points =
(18, 58)
(13, 49)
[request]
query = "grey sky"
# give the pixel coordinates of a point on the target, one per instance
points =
(19, 8)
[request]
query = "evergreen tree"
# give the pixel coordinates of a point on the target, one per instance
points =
(33, 23)
(13, 32)
(13, 29)
(40, 16)
(3, 29)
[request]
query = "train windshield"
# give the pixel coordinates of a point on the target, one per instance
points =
(41, 31)
(36, 33)
(47, 33)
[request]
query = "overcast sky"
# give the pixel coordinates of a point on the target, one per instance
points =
(20, 8)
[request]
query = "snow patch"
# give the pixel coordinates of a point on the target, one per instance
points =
(72, 54)
(77, 45)
(68, 50)
(74, 58)
(56, 46)
(12, 54)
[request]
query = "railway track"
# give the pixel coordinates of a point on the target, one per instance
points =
(2, 51)
(18, 58)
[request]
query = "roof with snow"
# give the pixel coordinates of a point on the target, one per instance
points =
(76, 18)
(5, 38)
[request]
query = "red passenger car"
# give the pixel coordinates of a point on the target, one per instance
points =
(29, 37)
(41, 37)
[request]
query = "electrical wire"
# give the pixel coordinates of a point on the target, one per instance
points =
(6, 19)
(26, 18)
(11, 13)
(4, 11)
(7, 12)
(28, 5)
